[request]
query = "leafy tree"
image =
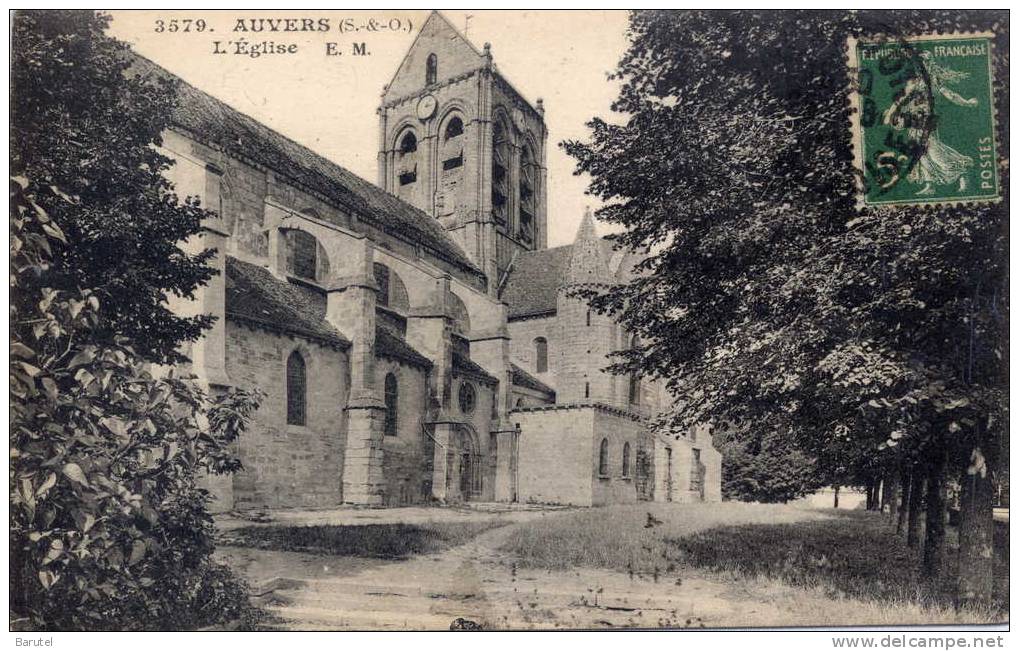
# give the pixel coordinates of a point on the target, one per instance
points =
(79, 122)
(764, 466)
(877, 338)
(109, 528)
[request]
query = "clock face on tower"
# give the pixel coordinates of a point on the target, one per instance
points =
(426, 107)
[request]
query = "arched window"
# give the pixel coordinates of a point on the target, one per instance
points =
(381, 273)
(455, 128)
(409, 143)
(500, 175)
(634, 378)
(589, 317)
(392, 292)
(304, 252)
(452, 144)
(587, 389)
(297, 387)
(528, 181)
(467, 398)
(431, 69)
(541, 355)
(626, 459)
(603, 458)
(407, 169)
(458, 311)
(634, 389)
(392, 391)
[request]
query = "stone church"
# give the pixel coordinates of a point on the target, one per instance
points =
(416, 341)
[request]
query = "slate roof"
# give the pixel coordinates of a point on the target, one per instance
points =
(254, 295)
(524, 379)
(531, 288)
(390, 344)
(465, 366)
(535, 277)
(210, 120)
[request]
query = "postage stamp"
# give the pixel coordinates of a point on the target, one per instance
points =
(923, 126)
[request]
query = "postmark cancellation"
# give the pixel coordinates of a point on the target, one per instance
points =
(923, 119)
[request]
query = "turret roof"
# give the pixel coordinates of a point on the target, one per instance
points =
(587, 263)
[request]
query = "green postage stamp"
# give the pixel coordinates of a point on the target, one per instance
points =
(923, 125)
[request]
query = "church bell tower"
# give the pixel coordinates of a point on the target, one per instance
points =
(458, 141)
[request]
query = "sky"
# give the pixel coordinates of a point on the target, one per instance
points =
(328, 103)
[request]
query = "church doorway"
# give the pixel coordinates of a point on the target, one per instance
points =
(697, 471)
(464, 465)
(644, 475)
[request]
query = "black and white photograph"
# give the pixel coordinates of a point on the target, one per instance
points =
(688, 321)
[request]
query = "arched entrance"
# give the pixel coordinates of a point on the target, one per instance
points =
(464, 465)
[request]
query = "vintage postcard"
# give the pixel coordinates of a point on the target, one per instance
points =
(469, 320)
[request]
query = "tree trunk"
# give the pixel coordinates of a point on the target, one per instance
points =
(937, 514)
(906, 481)
(891, 495)
(870, 494)
(836, 497)
(916, 491)
(976, 534)
(880, 497)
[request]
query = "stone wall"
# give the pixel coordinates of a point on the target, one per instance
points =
(480, 420)
(403, 460)
(583, 353)
(618, 429)
(523, 332)
(455, 58)
(555, 451)
(674, 481)
(288, 465)
(523, 397)
(559, 455)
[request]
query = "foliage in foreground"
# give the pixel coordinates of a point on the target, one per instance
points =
(368, 541)
(109, 528)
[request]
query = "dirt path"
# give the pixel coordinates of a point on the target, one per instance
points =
(477, 583)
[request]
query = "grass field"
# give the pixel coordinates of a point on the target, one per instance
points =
(616, 537)
(846, 556)
(370, 541)
(856, 555)
(836, 568)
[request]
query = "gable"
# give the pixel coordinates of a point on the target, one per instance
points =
(455, 55)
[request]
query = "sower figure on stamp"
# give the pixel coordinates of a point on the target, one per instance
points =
(939, 164)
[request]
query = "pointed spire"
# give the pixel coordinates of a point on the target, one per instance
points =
(587, 262)
(587, 230)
